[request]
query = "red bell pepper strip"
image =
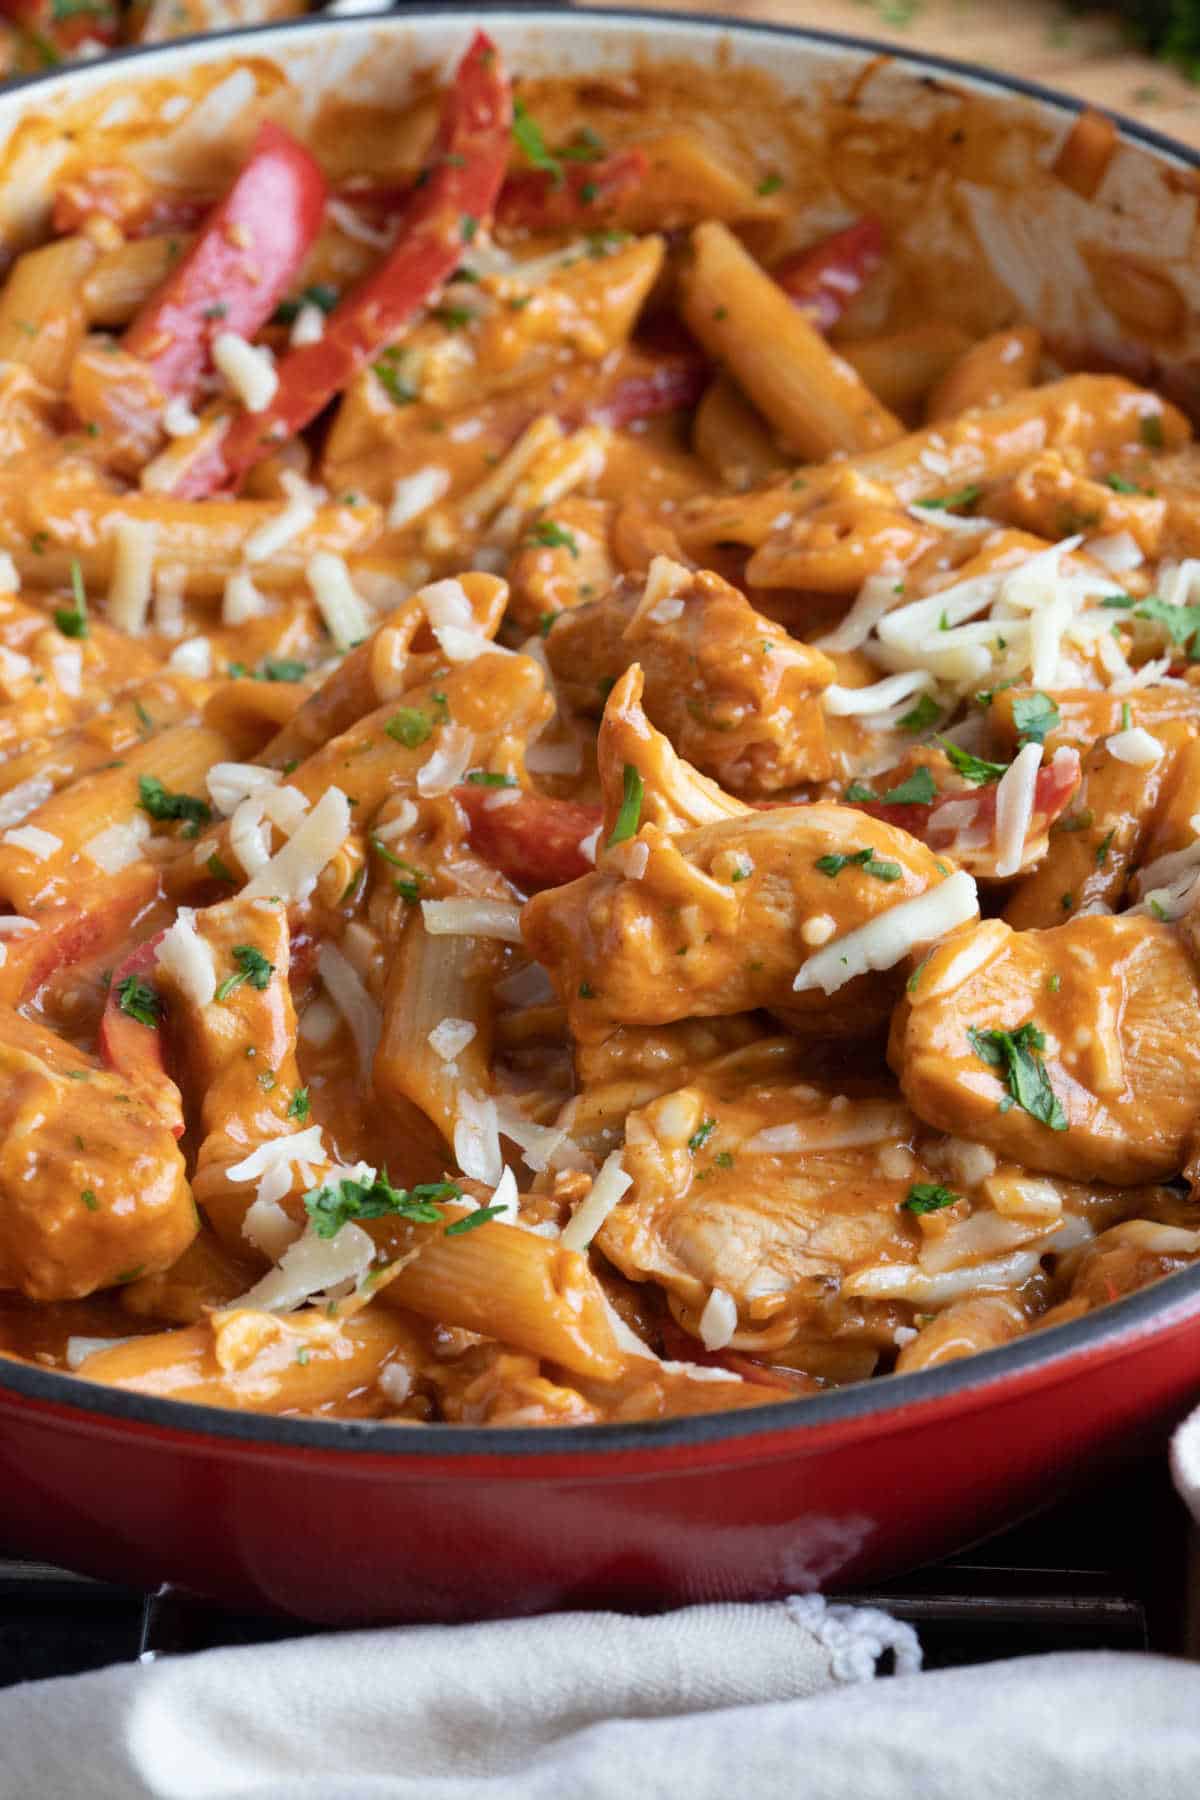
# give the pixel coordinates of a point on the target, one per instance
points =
(133, 1049)
(1057, 783)
(674, 386)
(825, 278)
(534, 840)
(447, 208)
(535, 200)
(242, 264)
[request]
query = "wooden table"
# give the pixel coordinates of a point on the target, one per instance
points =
(1087, 56)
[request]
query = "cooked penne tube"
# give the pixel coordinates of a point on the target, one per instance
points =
(814, 400)
(41, 309)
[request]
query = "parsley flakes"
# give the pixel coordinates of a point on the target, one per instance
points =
(833, 864)
(252, 966)
(1018, 1055)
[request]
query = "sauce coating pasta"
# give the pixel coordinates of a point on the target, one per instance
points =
(597, 817)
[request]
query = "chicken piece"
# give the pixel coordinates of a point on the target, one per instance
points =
(983, 1322)
(93, 1189)
(1121, 1260)
(1054, 499)
(733, 692)
(1095, 846)
(561, 564)
(820, 1214)
(675, 796)
(720, 919)
(1074, 1050)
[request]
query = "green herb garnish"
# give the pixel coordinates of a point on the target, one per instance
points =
(629, 817)
(252, 966)
(1018, 1055)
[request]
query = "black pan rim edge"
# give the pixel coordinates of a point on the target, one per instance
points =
(1123, 1321)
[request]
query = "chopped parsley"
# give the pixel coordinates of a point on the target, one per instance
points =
(138, 1000)
(162, 804)
(975, 769)
(701, 1135)
(724, 1159)
(72, 621)
(866, 860)
(770, 184)
(410, 727)
(1119, 485)
(1150, 430)
(388, 370)
(299, 1106)
(919, 790)
(281, 668)
(319, 293)
(1103, 848)
(1034, 715)
(252, 966)
(218, 870)
(1181, 623)
(481, 1216)
(586, 991)
(964, 496)
(549, 535)
(336, 1203)
(527, 136)
(629, 817)
(546, 623)
(490, 778)
(928, 1196)
(89, 1199)
(1018, 1055)
(925, 713)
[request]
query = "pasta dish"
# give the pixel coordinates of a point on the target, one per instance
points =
(600, 809)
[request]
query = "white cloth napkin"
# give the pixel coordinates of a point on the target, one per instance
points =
(710, 1703)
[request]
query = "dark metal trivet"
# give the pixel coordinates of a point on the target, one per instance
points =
(1107, 1571)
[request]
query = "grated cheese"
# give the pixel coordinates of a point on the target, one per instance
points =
(23, 799)
(133, 574)
(887, 940)
(293, 518)
(607, 1189)
(269, 1228)
(1118, 553)
(192, 658)
(346, 614)
(241, 600)
(1135, 746)
(13, 925)
(293, 871)
(414, 494)
(188, 958)
(308, 326)
(311, 1266)
(177, 418)
(477, 1138)
(842, 1128)
(41, 844)
(318, 1023)
(394, 1382)
(68, 670)
(229, 783)
(447, 767)
(1014, 808)
(719, 1320)
(450, 1037)
(472, 918)
(844, 702)
(248, 368)
(119, 845)
(10, 577)
(345, 988)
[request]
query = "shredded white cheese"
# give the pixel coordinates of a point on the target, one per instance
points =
(346, 614)
(229, 783)
(887, 940)
(41, 844)
(177, 418)
(719, 1320)
(414, 494)
(119, 845)
(844, 702)
(1135, 746)
(23, 799)
(345, 988)
(447, 766)
(242, 600)
(607, 1189)
(188, 958)
(293, 519)
(132, 575)
(477, 1138)
(192, 658)
(269, 1228)
(308, 326)
(1014, 808)
(312, 1265)
(293, 871)
(472, 918)
(248, 368)
(450, 1037)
